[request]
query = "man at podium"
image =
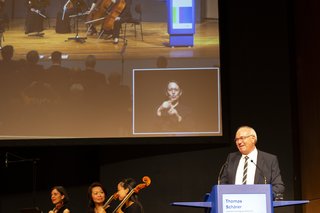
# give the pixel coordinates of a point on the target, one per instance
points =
(252, 166)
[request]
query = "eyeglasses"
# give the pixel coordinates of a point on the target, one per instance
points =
(242, 138)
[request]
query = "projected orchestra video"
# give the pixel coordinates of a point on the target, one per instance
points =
(57, 96)
(103, 17)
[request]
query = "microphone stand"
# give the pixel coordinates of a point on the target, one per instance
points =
(220, 172)
(77, 38)
(261, 172)
(122, 52)
(3, 20)
(19, 159)
(1, 39)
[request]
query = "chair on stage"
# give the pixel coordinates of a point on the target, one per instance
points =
(134, 22)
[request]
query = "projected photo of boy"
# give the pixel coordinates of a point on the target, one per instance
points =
(177, 102)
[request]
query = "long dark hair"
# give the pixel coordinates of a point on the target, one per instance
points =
(130, 183)
(91, 204)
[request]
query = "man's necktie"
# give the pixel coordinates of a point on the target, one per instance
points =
(245, 170)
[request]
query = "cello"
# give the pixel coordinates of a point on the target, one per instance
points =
(147, 182)
(99, 12)
(115, 11)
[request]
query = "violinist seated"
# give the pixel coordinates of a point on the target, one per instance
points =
(132, 204)
(93, 6)
(70, 9)
(35, 16)
(59, 198)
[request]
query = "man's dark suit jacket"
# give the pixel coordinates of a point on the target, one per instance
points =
(267, 166)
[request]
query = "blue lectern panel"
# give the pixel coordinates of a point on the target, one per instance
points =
(242, 198)
(209, 204)
(181, 17)
(181, 22)
(234, 198)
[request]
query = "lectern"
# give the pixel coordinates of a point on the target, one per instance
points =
(181, 22)
(256, 198)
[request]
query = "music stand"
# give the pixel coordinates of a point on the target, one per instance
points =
(122, 52)
(78, 5)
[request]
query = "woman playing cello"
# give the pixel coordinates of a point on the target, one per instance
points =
(98, 10)
(118, 12)
(132, 205)
(123, 17)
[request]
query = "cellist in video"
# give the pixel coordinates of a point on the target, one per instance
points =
(123, 17)
(115, 13)
(97, 13)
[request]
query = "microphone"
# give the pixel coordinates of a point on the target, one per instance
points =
(261, 172)
(6, 160)
(124, 47)
(220, 173)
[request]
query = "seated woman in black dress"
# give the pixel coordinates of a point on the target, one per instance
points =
(59, 198)
(132, 205)
(35, 16)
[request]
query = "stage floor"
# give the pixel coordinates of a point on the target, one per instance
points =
(155, 43)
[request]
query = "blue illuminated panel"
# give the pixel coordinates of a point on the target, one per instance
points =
(181, 22)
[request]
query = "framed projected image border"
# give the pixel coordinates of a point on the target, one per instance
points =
(176, 102)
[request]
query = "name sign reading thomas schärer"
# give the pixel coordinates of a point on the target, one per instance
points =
(244, 203)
